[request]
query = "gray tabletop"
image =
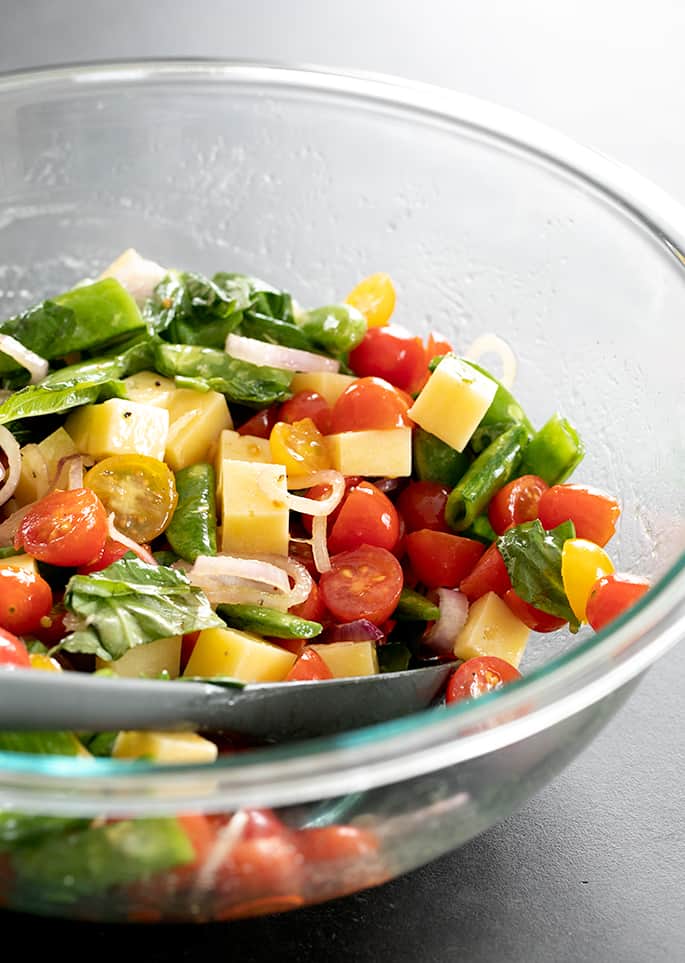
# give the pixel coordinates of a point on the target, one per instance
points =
(593, 867)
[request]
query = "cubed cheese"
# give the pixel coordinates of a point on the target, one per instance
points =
(254, 509)
(148, 660)
(453, 402)
(118, 427)
(375, 453)
(26, 563)
(346, 659)
(234, 447)
(196, 419)
(329, 384)
(240, 655)
(150, 388)
(492, 629)
(34, 479)
(164, 747)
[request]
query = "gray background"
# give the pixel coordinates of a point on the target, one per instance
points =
(593, 867)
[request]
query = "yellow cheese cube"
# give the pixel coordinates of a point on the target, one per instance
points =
(149, 660)
(330, 384)
(383, 453)
(34, 479)
(234, 447)
(240, 655)
(118, 427)
(346, 659)
(196, 419)
(26, 563)
(254, 509)
(164, 747)
(150, 388)
(453, 402)
(492, 629)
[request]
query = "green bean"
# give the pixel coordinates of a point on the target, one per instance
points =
(436, 461)
(192, 530)
(490, 471)
(393, 658)
(266, 621)
(504, 408)
(481, 530)
(415, 607)
(554, 451)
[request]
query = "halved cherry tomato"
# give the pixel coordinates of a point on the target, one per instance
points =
(440, 559)
(369, 403)
(422, 505)
(396, 357)
(366, 517)
(516, 503)
(582, 564)
(364, 583)
(374, 296)
(261, 423)
(256, 870)
(313, 608)
(299, 446)
(323, 843)
(140, 490)
(202, 835)
(307, 404)
(477, 676)
(64, 528)
(13, 652)
(309, 666)
(593, 512)
(436, 345)
(187, 645)
(611, 596)
(51, 629)
(489, 575)
(262, 823)
(111, 552)
(535, 619)
(25, 599)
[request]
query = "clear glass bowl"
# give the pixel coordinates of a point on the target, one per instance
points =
(487, 222)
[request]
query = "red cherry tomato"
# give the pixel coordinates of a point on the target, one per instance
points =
(64, 528)
(593, 512)
(262, 823)
(477, 676)
(313, 608)
(51, 629)
(516, 503)
(436, 345)
(187, 645)
(422, 505)
(366, 517)
(367, 404)
(324, 843)
(261, 423)
(364, 583)
(202, 835)
(535, 619)
(257, 873)
(25, 599)
(13, 652)
(440, 559)
(489, 575)
(307, 404)
(396, 357)
(611, 595)
(309, 666)
(111, 552)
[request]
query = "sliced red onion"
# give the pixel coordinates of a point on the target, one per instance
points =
(454, 607)
(361, 630)
(10, 446)
(319, 543)
(493, 344)
(259, 581)
(10, 527)
(134, 546)
(313, 506)
(277, 356)
(36, 366)
(135, 273)
(68, 473)
(388, 485)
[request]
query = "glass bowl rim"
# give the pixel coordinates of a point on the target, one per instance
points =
(423, 742)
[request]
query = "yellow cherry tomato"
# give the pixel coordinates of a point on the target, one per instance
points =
(582, 563)
(139, 490)
(40, 660)
(375, 298)
(299, 446)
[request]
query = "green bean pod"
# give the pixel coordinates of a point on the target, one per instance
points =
(192, 530)
(436, 461)
(554, 451)
(490, 471)
(414, 607)
(265, 621)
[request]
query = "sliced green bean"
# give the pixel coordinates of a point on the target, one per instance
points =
(415, 607)
(504, 408)
(490, 471)
(554, 452)
(266, 621)
(393, 658)
(192, 530)
(481, 530)
(436, 461)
